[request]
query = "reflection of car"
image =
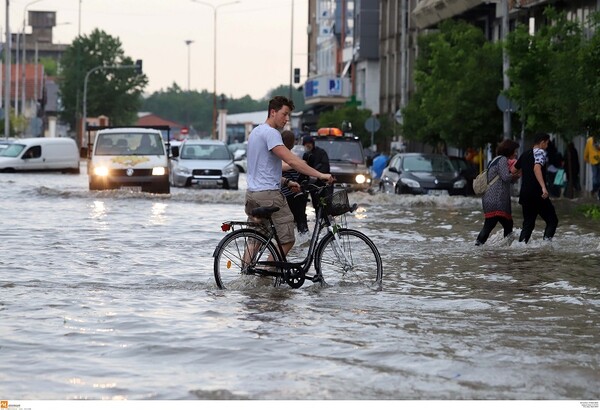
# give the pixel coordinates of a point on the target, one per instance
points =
(238, 149)
(467, 170)
(206, 163)
(412, 173)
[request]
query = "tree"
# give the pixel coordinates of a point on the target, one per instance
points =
(547, 76)
(112, 92)
(458, 78)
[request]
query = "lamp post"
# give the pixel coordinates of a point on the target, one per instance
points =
(187, 43)
(214, 9)
(292, 49)
(7, 63)
(506, 120)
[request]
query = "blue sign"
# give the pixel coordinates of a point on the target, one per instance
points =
(335, 86)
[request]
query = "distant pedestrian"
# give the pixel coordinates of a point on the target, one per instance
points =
(296, 199)
(379, 163)
(591, 155)
(318, 159)
(534, 197)
(571, 165)
(496, 200)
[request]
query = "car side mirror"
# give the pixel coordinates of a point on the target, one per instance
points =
(174, 151)
(393, 169)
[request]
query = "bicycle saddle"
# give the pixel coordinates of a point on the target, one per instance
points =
(264, 211)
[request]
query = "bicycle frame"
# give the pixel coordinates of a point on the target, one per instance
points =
(286, 269)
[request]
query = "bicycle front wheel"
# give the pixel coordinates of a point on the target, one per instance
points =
(237, 254)
(351, 258)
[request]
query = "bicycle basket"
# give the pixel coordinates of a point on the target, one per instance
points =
(338, 203)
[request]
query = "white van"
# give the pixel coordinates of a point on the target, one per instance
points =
(40, 154)
(128, 157)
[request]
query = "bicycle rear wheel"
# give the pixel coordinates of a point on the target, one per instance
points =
(239, 251)
(351, 259)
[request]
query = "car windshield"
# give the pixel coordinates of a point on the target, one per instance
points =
(420, 163)
(130, 144)
(342, 150)
(13, 150)
(207, 151)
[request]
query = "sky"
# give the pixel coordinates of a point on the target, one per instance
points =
(254, 38)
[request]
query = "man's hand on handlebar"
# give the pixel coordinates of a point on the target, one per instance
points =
(328, 178)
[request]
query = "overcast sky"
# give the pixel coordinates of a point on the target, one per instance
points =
(253, 38)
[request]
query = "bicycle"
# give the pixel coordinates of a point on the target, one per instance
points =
(342, 254)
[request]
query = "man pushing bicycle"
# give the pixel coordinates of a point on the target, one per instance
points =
(264, 155)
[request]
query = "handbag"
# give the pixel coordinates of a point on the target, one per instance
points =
(560, 178)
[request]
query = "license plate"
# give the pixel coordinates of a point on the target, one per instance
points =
(206, 183)
(131, 188)
(437, 192)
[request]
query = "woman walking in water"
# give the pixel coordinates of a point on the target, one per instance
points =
(496, 200)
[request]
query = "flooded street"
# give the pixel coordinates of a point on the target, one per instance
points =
(110, 295)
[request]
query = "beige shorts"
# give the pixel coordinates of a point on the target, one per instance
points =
(282, 219)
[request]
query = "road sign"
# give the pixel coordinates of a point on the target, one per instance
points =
(398, 117)
(506, 105)
(372, 124)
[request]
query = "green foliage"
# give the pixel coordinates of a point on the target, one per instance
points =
(458, 78)
(112, 92)
(548, 75)
(590, 211)
(590, 68)
(50, 66)
(196, 108)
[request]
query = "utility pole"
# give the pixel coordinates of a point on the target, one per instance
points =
(7, 74)
(506, 125)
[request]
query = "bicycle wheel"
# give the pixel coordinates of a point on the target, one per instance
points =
(238, 251)
(352, 259)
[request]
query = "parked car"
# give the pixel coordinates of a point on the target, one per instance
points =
(4, 144)
(467, 170)
(204, 163)
(414, 173)
(40, 154)
(238, 149)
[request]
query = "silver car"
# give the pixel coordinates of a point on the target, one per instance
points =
(204, 163)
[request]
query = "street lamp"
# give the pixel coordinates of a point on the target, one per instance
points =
(214, 9)
(187, 43)
(6, 90)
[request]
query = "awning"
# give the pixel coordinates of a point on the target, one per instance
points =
(429, 12)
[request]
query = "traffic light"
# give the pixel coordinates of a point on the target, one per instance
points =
(296, 75)
(138, 67)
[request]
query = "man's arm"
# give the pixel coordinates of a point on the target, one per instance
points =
(299, 165)
(537, 170)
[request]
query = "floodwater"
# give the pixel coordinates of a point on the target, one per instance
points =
(110, 295)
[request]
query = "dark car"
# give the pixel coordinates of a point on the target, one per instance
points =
(414, 173)
(467, 170)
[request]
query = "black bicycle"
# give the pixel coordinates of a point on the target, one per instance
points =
(342, 255)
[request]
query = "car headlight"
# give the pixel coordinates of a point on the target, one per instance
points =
(158, 171)
(460, 183)
(360, 179)
(182, 170)
(410, 183)
(229, 171)
(101, 171)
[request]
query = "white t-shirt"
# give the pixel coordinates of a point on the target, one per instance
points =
(264, 167)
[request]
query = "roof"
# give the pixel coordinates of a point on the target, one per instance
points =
(145, 119)
(256, 117)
